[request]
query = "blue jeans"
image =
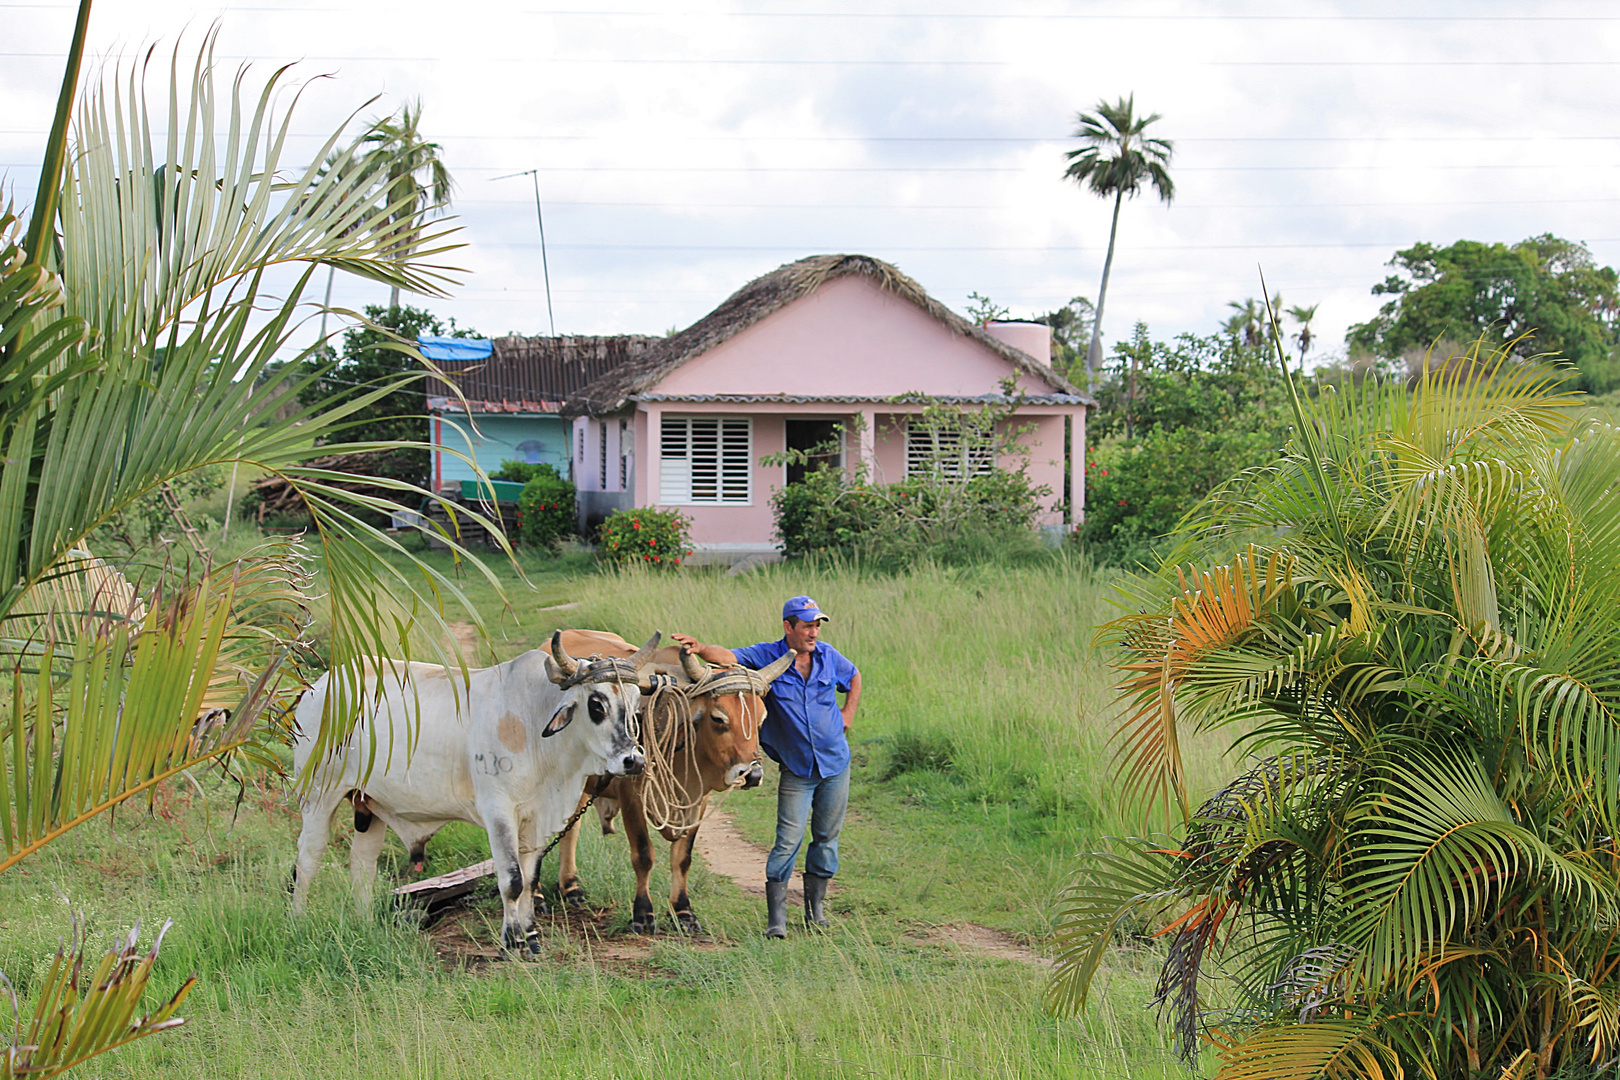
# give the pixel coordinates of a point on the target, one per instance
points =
(823, 800)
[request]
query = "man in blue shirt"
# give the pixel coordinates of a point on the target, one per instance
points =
(804, 733)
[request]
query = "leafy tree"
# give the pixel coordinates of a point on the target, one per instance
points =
(1117, 159)
(1192, 413)
(137, 347)
(1071, 330)
(1410, 619)
(380, 353)
(1542, 296)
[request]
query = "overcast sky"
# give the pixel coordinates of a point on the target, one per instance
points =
(684, 148)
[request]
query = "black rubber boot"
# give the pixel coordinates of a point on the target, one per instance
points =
(776, 909)
(815, 891)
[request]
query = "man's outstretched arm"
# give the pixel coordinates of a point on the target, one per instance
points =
(713, 654)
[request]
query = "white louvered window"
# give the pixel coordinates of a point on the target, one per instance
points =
(601, 467)
(624, 455)
(949, 450)
(705, 460)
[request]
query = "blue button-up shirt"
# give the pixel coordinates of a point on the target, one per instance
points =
(804, 729)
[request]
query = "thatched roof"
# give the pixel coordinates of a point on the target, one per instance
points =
(771, 293)
(536, 374)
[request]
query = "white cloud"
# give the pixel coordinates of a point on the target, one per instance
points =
(685, 149)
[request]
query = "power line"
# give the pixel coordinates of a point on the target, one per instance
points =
(942, 16)
(1016, 249)
(1031, 140)
(1004, 206)
(784, 61)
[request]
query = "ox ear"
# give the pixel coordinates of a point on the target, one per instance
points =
(773, 671)
(559, 720)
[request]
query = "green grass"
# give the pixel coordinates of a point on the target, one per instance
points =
(982, 766)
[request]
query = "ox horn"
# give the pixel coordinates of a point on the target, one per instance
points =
(772, 671)
(565, 663)
(695, 669)
(645, 653)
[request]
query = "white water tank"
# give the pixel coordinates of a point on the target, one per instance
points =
(1031, 337)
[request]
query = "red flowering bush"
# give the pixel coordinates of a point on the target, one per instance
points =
(546, 509)
(656, 538)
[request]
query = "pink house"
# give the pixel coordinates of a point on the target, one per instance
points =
(826, 341)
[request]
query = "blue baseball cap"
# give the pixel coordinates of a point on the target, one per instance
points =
(804, 609)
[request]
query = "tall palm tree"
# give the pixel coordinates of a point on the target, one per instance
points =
(1303, 316)
(415, 182)
(1411, 620)
(139, 344)
(1116, 160)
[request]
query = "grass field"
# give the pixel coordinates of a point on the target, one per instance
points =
(981, 768)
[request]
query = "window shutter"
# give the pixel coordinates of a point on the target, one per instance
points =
(624, 455)
(675, 468)
(706, 460)
(931, 447)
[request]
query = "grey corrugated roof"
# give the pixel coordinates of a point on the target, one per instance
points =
(482, 405)
(859, 399)
(768, 294)
(540, 369)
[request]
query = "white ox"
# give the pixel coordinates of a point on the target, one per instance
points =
(510, 759)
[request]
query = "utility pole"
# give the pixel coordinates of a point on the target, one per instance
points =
(534, 174)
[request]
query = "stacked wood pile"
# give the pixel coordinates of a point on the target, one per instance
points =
(277, 496)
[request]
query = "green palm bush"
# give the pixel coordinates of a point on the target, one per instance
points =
(1411, 622)
(141, 343)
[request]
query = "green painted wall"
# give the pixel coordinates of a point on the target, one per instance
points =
(498, 438)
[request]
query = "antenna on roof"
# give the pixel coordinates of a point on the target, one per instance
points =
(544, 268)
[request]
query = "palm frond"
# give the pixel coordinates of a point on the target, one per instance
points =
(1339, 1049)
(1128, 882)
(1214, 610)
(122, 705)
(1434, 851)
(77, 1017)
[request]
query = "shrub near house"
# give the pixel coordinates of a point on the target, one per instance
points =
(957, 503)
(656, 538)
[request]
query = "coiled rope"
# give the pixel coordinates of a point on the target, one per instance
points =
(673, 791)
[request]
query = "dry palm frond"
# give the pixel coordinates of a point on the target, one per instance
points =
(1215, 609)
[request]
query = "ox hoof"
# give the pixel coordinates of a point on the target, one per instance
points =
(644, 924)
(575, 899)
(526, 947)
(541, 905)
(687, 923)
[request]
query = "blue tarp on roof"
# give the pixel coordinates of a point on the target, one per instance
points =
(455, 348)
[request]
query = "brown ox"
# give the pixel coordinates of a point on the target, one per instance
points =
(724, 730)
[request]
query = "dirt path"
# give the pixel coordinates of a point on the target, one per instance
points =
(728, 852)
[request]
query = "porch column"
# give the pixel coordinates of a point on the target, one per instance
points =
(649, 481)
(866, 451)
(1077, 467)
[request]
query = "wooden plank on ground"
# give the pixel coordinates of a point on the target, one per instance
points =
(448, 881)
